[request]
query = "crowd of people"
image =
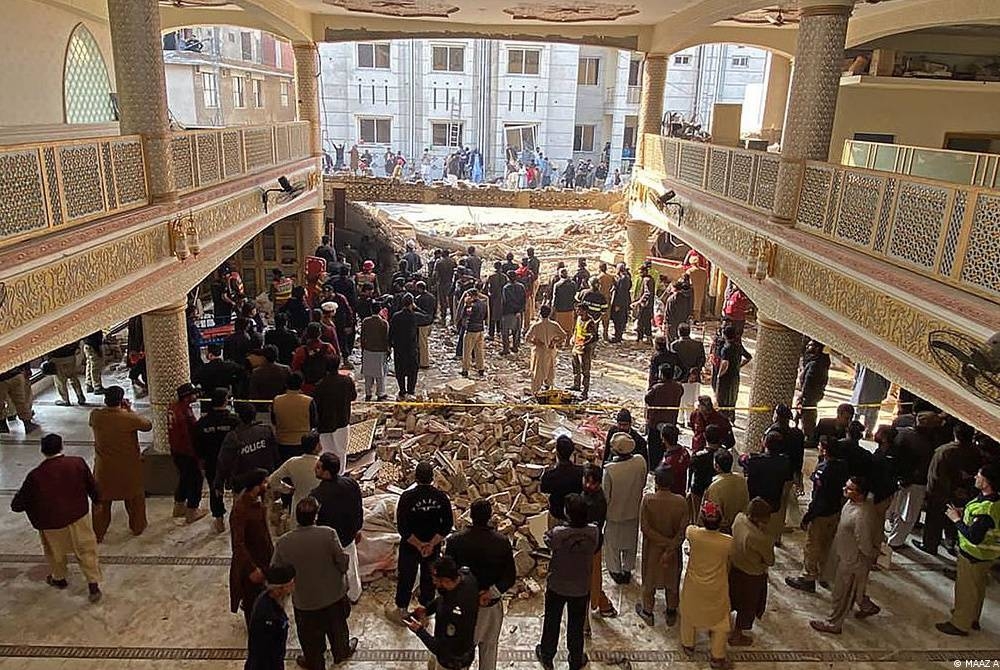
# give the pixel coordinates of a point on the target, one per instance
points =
(289, 435)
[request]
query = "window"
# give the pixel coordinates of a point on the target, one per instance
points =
(377, 131)
(682, 59)
(210, 89)
(258, 93)
(446, 134)
(449, 59)
(588, 72)
(373, 56)
(523, 61)
(86, 85)
(284, 93)
(635, 73)
(520, 138)
(583, 138)
(239, 92)
(740, 61)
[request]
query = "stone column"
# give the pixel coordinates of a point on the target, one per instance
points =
(812, 101)
(307, 91)
(636, 246)
(654, 79)
(167, 367)
(312, 227)
(775, 369)
(142, 90)
(776, 97)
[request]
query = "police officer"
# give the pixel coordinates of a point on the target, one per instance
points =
(268, 632)
(978, 528)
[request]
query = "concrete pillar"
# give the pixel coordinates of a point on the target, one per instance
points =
(636, 246)
(142, 90)
(167, 367)
(812, 101)
(307, 91)
(775, 369)
(312, 227)
(779, 75)
(654, 80)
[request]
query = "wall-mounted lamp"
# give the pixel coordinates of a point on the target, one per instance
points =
(760, 260)
(287, 188)
(667, 200)
(184, 240)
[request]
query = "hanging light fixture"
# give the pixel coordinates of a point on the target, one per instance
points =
(191, 235)
(178, 239)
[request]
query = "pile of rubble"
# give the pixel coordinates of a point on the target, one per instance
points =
(483, 452)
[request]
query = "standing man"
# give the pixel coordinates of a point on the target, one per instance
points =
(424, 518)
(733, 357)
(915, 449)
(404, 337)
(118, 462)
(93, 351)
(444, 269)
(978, 528)
(267, 635)
(247, 447)
(425, 309)
(209, 432)
(663, 518)
(320, 599)
(489, 557)
(662, 401)
(857, 545)
(270, 378)
(339, 499)
(568, 585)
(728, 490)
(56, 495)
(456, 610)
(769, 476)
(624, 480)
(473, 319)
(67, 373)
(812, 383)
(585, 337)
(562, 479)
(544, 336)
(752, 555)
(597, 514)
(952, 465)
(293, 415)
(621, 301)
(494, 294)
(14, 385)
(514, 299)
(299, 475)
(474, 262)
(690, 357)
(333, 397)
(251, 542)
(181, 428)
(605, 284)
(374, 353)
(563, 301)
(705, 595)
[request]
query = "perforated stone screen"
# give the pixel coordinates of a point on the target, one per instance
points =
(86, 85)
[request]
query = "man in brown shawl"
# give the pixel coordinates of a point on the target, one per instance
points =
(751, 554)
(663, 517)
(252, 547)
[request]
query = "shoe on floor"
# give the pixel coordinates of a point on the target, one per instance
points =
(180, 510)
(99, 390)
(918, 544)
(647, 617)
(670, 617)
(94, 594)
(63, 403)
(740, 639)
(30, 426)
(219, 525)
(801, 583)
(720, 663)
(540, 657)
(976, 626)
(192, 515)
(82, 402)
(582, 664)
(948, 628)
(352, 646)
(866, 610)
(609, 613)
(56, 583)
(825, 627)
(4, 428)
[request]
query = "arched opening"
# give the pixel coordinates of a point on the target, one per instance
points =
(86, 84)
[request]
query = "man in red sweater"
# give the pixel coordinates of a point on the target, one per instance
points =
(181, 426)
(56, 495)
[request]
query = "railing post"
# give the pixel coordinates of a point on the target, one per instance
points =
(812, 101)
(142, 92)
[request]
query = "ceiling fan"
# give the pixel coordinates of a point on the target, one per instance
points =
(974, 365)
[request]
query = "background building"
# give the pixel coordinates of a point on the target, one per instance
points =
(569, 100)
(219, 76)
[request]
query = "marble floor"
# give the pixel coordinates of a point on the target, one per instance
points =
(166, 599)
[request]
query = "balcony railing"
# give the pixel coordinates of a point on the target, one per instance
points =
(206, 157)
(55, 185)
(740, 175)
(942, 230)
(957, 167)
(52, 186)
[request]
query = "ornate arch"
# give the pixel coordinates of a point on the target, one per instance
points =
(86, 84)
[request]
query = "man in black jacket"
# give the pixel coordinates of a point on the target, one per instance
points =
(267, 634)
(424, 519)
(455, 609)
(269, 379)
(340, 508)
(821, 519)
(210, 431)
(812, 383)
(284, 338)
(793, 442)
(769, 476)
(247, 447)
(218, 372)
(333, 396)
(560, 480)
(404, 339)
(623, 424)
(514, 298)
(490, 558)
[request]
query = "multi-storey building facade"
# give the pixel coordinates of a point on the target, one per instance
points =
(218, 76)
(571, 101)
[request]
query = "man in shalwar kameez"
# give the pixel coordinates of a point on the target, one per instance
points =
(544, 337)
